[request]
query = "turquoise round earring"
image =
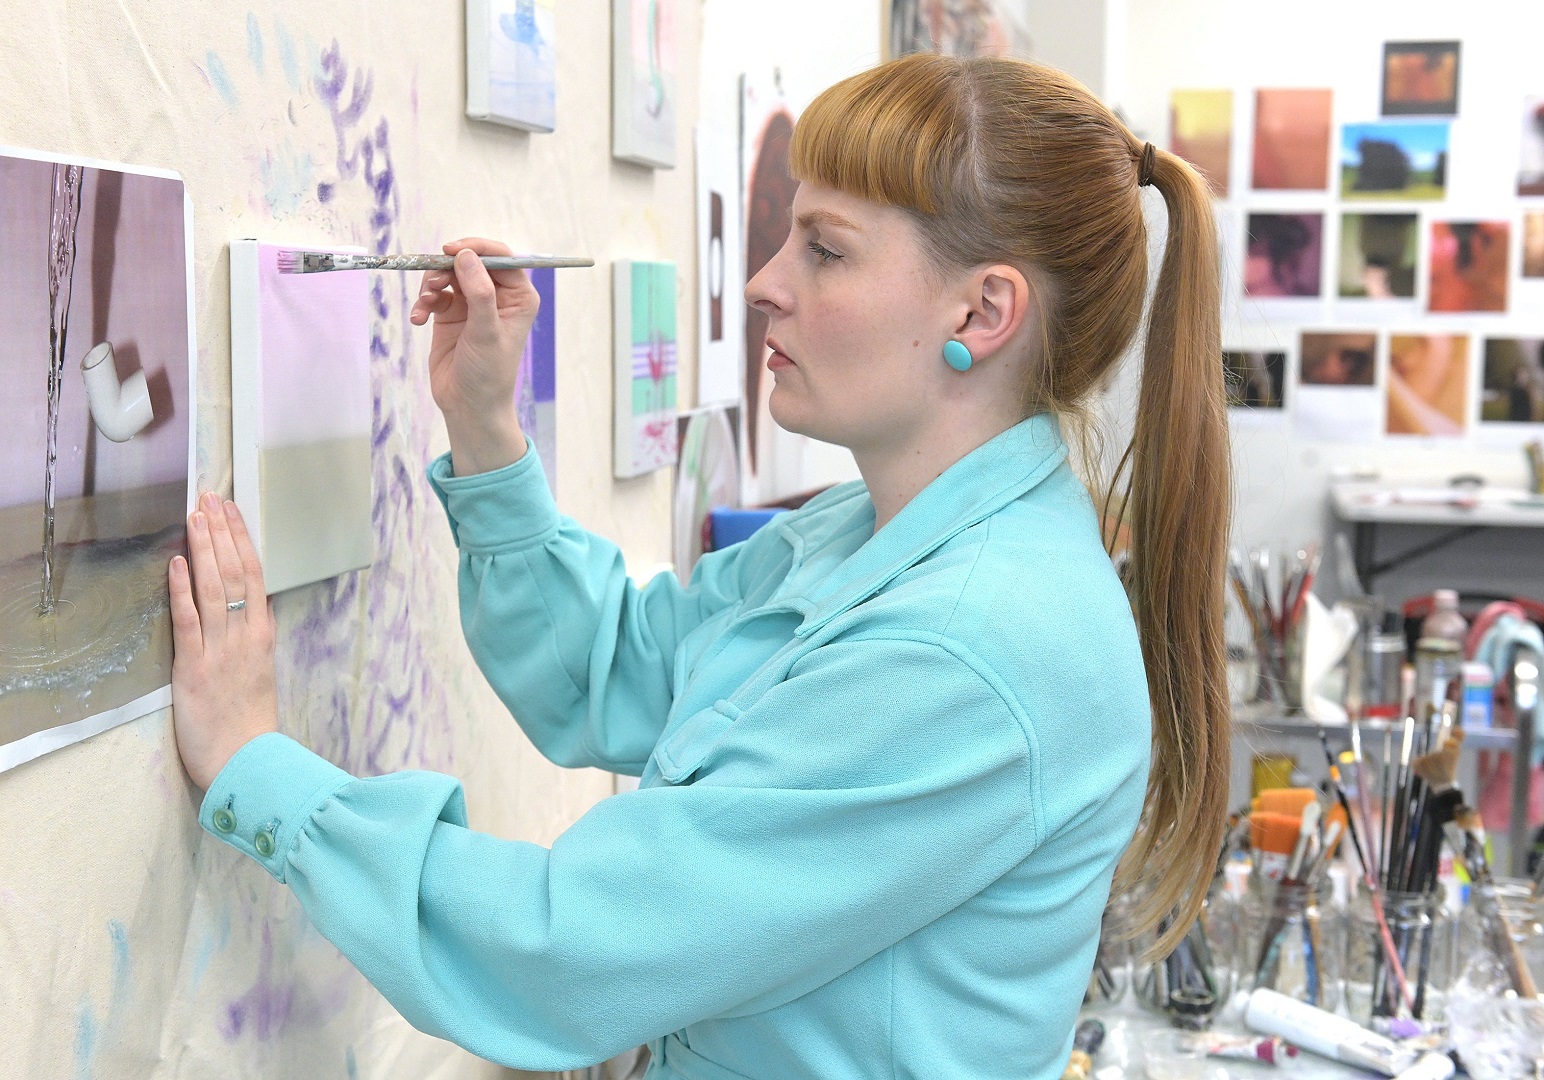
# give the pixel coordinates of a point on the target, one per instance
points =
(957, 356)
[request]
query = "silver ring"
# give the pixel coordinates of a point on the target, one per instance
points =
(235, 605)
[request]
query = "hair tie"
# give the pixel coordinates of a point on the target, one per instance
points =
(1145, 166)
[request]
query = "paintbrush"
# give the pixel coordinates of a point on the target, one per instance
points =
(1466, 834)
(316, 262)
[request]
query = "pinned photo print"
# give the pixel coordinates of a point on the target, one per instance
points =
(1533, 244)
(1427, 387)
(1512, 390)
(1530, 174)
(1420, 78)
(1394, 161)
(1255, 379)
(1378, 256)
(1468, 266)
(1338, 359)
(1202, 125)
(1284, 255)
(1292, 140)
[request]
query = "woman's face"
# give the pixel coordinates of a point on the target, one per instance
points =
(856, 325)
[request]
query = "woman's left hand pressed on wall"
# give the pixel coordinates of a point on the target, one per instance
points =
(223, 685)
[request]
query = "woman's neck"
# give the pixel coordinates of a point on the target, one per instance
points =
(896, 474)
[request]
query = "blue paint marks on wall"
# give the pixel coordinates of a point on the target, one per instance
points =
(287, 177)
(85, 1041)
(351, 1065)
(287, 58)
(254, 43)
(121, 968)
(220, 79)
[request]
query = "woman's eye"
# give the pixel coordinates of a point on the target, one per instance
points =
(821, 252)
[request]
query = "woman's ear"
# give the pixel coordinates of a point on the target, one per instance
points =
(999, 302)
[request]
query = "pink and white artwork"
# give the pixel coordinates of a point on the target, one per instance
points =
(300, 415)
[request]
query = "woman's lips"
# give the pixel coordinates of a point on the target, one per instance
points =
(778, 359)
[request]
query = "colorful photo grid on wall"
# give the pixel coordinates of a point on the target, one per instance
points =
(1393, 302)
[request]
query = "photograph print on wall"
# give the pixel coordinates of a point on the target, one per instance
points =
(1255, 379)
(1533, 244)
(1469, 262)
(1530, 174)
(1394, 161)
(1284, 255)
(1420, 78)
(1201, 132)
(1512, 388)
(1428, 384)
(1378, 256)
(1292, 140)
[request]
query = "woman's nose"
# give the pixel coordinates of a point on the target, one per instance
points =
(766, 291)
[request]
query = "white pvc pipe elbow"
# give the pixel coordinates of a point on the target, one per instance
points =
(119, 410)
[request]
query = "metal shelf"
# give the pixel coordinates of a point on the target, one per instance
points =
(1272, 720)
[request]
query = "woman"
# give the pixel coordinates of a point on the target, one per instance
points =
(891, 748)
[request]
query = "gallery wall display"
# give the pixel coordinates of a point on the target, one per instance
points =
(96, 437)
(643, 82)
(511, 63)
(955, 28)
(644, 295)
(1382, 293)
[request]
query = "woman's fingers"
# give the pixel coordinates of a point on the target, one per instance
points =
(251, 566)
(208, 589)
(478, 245)
(232, 573)
(187, 638)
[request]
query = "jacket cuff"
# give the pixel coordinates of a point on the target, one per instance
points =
(265, 795)
(507, 509)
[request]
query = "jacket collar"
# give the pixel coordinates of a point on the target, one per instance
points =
(969, 491)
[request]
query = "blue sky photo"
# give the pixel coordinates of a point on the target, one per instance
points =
(1422, 142)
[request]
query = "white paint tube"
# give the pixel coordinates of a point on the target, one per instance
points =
(1323, 1033)
(1432, 1066)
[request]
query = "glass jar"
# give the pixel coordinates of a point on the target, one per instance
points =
(1485, 956)
(1291, 942)
(1184, 985)
(1422, 935)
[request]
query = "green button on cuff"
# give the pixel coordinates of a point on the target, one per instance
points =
(224, 821)
(263, 842)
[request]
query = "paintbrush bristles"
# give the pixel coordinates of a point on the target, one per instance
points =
(1440, 768)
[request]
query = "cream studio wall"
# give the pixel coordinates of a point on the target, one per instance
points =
(130, 945)
(1283, 480)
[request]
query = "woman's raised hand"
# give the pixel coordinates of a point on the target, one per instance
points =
(481, 321)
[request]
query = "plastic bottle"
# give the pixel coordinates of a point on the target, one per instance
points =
(1445, 621)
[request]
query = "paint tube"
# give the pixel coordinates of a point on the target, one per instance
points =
(1431, 1066)
(1268, 1049)
(1323, 1033)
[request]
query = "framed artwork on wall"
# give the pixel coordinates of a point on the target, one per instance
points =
(511, 63)
(1420, 78)
(644, 300)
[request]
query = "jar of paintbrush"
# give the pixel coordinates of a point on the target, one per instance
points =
(1112, 963)
(1491, 949)
(1290, 939)
(1421, 933)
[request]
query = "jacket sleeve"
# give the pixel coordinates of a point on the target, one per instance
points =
(581, 656)
(813, 835)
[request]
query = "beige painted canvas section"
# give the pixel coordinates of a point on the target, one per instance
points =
(131, 945)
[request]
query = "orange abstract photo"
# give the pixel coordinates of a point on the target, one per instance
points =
(1345, 359)
(1201, 122)
(1292, 140)
(1468, 266)
(1420, 78)
(1428, 380)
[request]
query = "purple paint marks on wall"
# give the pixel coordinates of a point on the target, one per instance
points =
(359, 660)
(262, 1010)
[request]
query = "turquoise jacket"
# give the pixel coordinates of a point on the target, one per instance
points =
(885, 779)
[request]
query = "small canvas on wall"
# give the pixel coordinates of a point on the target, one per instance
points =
(1394, 161)
(511, 63)
(955, 28)
(1533, 244)
(644, 298)
(643, 89)
(300, 416)
(1530, 176)
(1284, 255)
(1378, 256)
